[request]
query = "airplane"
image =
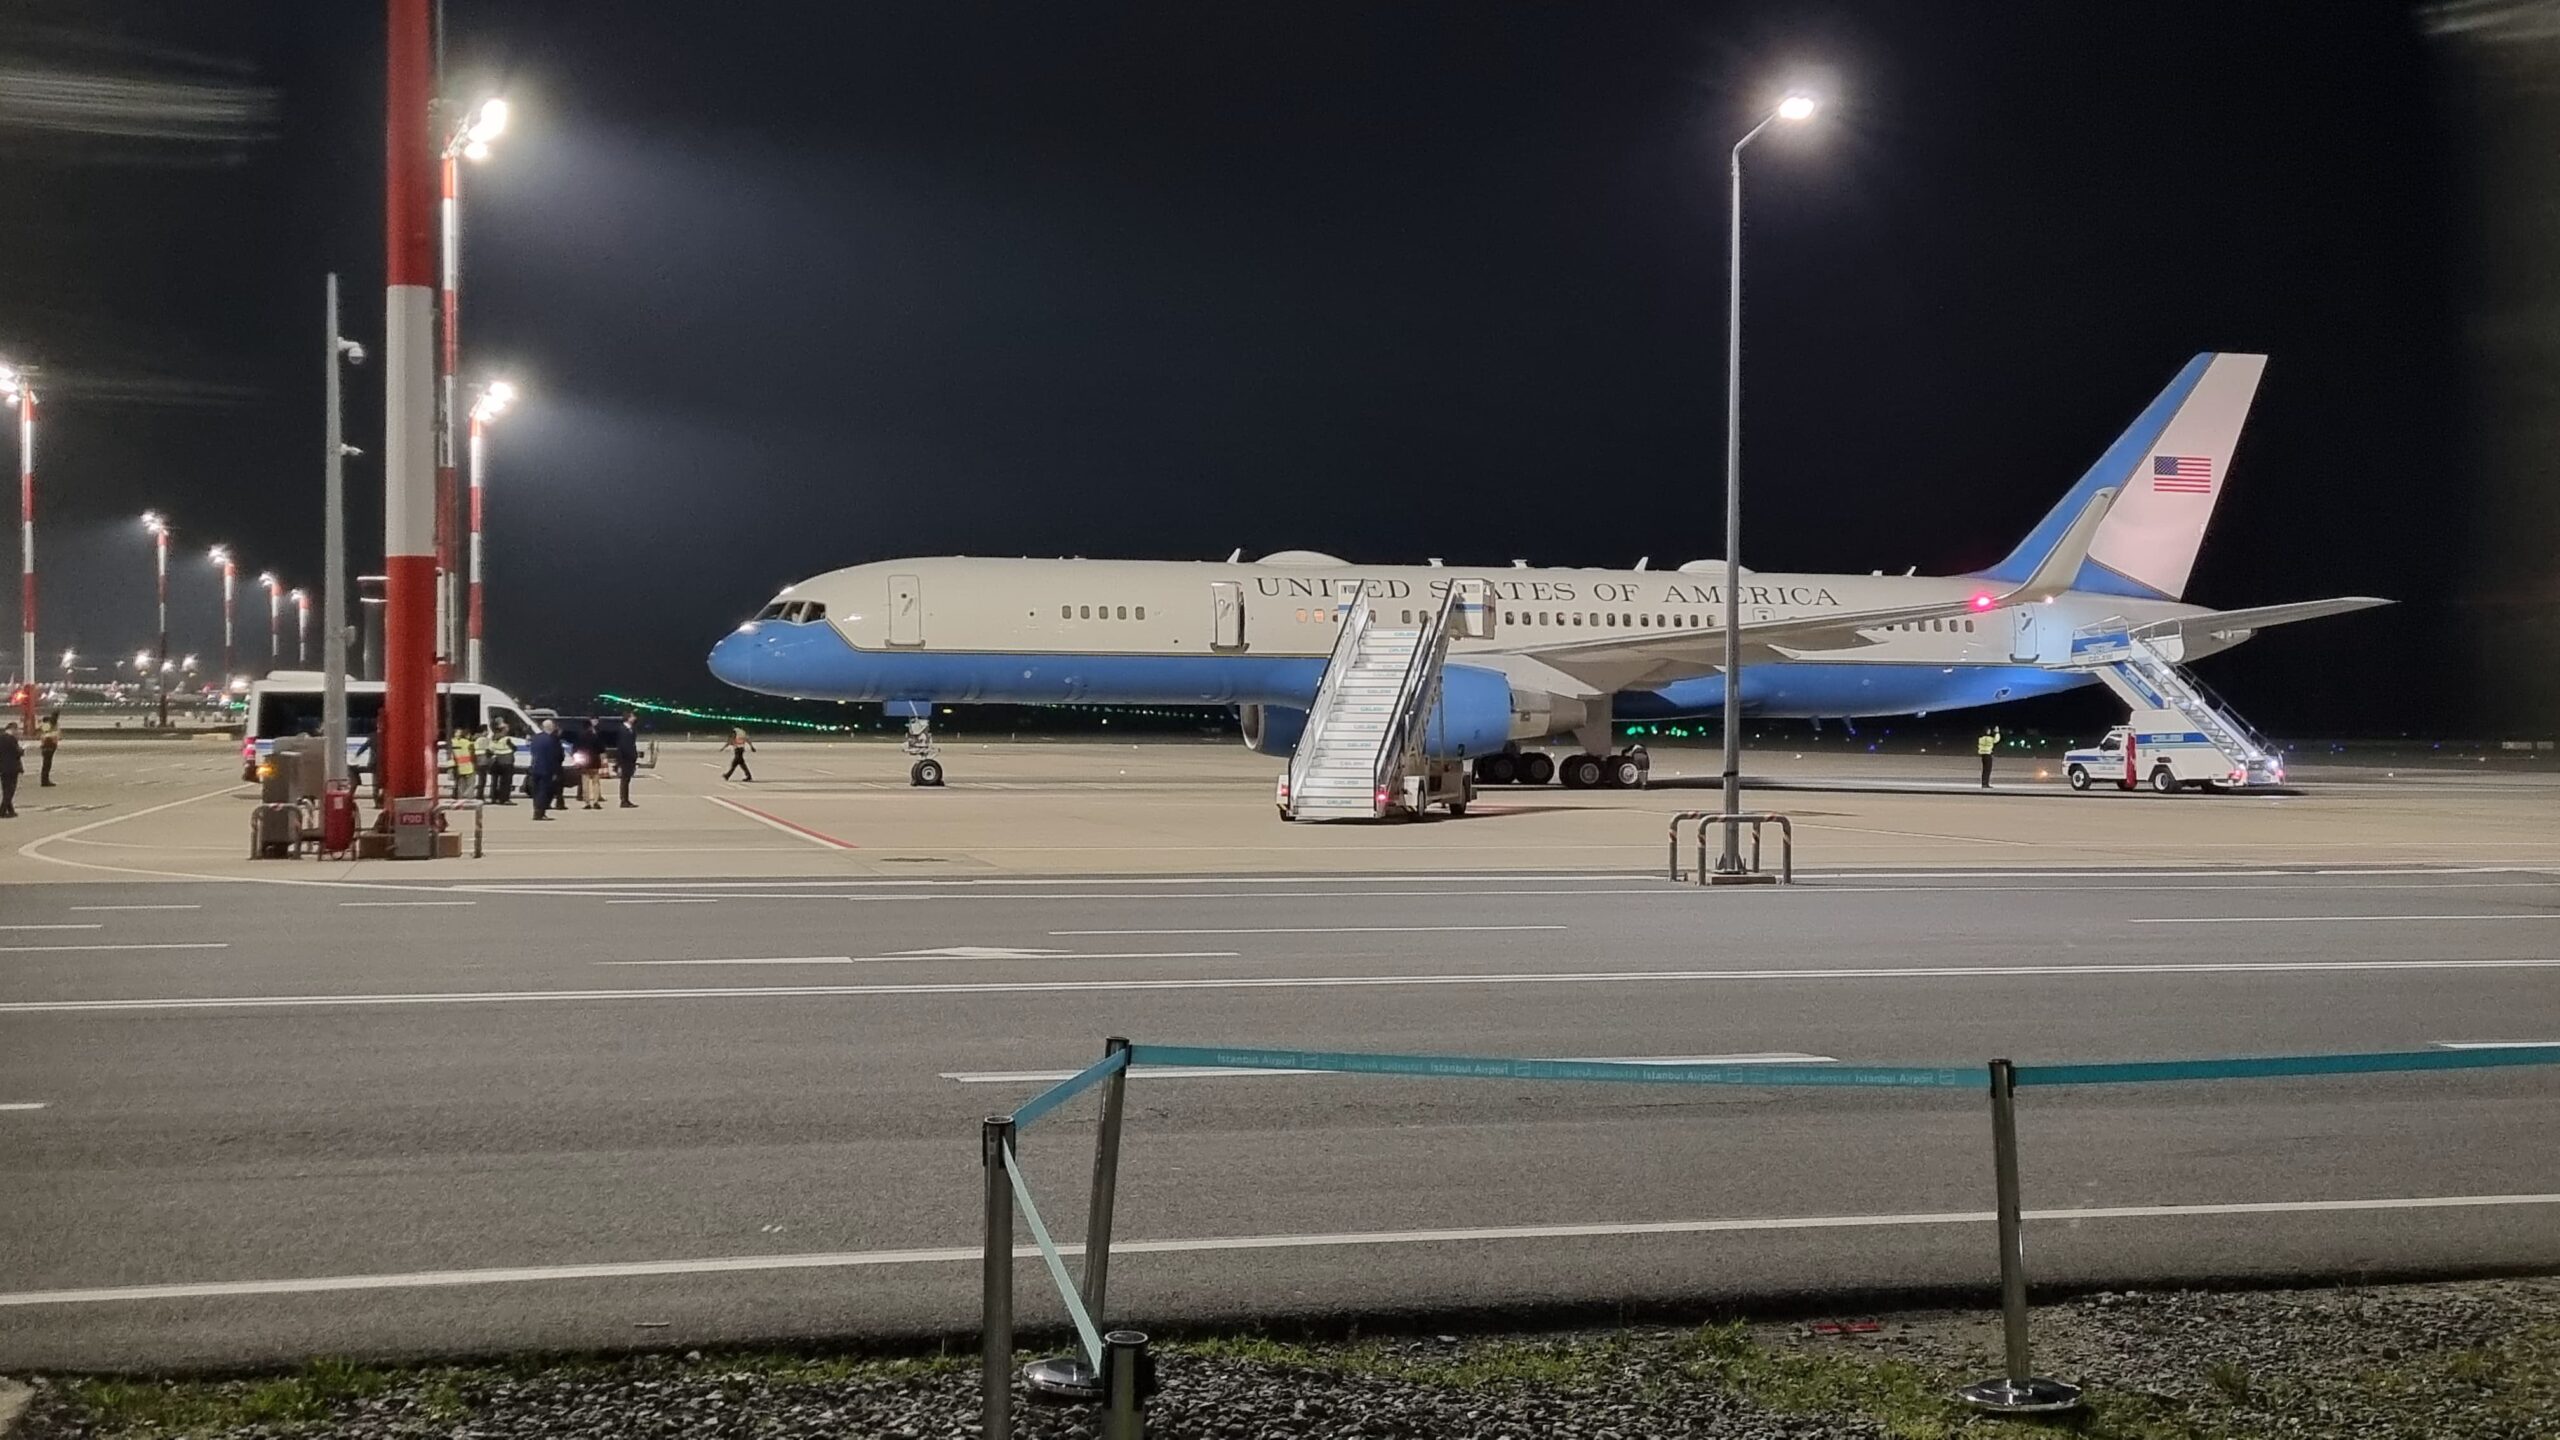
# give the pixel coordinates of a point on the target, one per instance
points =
(1571, 650)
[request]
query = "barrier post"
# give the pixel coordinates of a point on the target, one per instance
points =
(1069, 1377)
(995, 1323)
(1124, 1372)
(2018, 1390)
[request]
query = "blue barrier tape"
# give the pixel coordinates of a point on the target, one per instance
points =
(1085, 1332)
(1479, 1068)
(2270, 1066)
(1068, 1089)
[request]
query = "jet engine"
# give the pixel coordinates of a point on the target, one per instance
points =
(1272, 729)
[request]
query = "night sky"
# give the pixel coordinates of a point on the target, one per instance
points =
(792, 286)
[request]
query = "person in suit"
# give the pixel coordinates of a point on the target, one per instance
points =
(13, 763)
(542, 768)
(626, 753)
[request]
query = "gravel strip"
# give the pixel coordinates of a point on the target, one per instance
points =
(2469, 1361)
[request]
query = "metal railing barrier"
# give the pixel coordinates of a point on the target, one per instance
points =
(1114, 1369)
(1756, 819)
(479, 831)
(1120, 1373)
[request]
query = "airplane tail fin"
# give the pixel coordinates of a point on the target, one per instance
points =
(2168, 468)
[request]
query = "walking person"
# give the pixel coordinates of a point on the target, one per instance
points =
(626, 753)
(13, 763)
(590, 761)
(1988, 742)
(542, 768)
(739, 745)
(48, 740)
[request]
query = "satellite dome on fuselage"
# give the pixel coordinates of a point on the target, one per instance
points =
(1300, 557)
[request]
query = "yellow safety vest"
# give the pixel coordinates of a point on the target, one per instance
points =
(462, 757)
(1986, 744)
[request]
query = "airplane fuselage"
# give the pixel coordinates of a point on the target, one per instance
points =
(964, 630)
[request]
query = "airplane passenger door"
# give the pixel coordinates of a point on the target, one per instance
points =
(1226, 615)
(906, 611)
(2023, 648)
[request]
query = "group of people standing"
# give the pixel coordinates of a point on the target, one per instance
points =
(13, 759)
(555, 759)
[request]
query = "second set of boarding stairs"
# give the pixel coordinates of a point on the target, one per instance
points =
(1362, 753)
(2128, 663)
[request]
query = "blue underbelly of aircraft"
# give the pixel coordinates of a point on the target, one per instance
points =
(813, 662)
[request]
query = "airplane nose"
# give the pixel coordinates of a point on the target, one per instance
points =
(733, 659)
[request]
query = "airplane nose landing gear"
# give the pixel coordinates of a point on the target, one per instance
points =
(927, 771)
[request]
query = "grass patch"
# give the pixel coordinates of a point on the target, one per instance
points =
(281, 1402)
(1573, 1364)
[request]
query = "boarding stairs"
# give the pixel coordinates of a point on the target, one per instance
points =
(1364, 734)
(2126, 662)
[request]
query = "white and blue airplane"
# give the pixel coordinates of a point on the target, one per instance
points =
(1571, 650)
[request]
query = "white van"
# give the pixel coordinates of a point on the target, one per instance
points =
(288, 702)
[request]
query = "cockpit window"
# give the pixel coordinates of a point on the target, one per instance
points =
(771, 612)
(813, 610)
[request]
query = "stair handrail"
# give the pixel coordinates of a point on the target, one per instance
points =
(2246, 733)
(1354, 624)
(1407, 735)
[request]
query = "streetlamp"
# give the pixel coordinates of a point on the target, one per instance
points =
(221, 555)
(158, 525)
(469, 140)
(275, 615)
(302, 629)
(17, 386)
(1794, 109)
(493, 400)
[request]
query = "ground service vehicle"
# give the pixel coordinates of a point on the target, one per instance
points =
(2163, 750)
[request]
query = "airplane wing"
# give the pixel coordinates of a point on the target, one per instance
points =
(1606, 664)
(2239, 624)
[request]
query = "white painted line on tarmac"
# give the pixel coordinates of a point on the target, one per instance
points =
(2497, 1044)
(1308, 982)
(399, 904)
(22, 1105)
(952, 1255)
(163, 945)
(136, 907)
(90, 925)
(1222, 1072)
(2314, 919)
(933, 959)
(775, 822)
(1322, 930)
(670, 900)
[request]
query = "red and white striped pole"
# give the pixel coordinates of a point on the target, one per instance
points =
(409, 404)
(302, 629)
(494, 399)
(448, 362)
(275, 620)
(221, 555)
(26, 396)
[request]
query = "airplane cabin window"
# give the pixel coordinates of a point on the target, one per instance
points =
(1124, 612)
(1084, 612)
(1066, 612)
(1142, 612)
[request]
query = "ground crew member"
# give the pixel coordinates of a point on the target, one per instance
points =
(626, 753)
(542, 768)
(1984, 747)
(501, 765)
(48, 739)
(13, 763)
(739, 745)
(466, 764)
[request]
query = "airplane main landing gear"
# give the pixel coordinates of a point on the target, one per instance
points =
(927, 771)
(1523, 767)
(1607, 772)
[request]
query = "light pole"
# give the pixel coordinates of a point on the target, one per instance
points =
(333, 536)
(302, 629)
(493, 400)
(1793, 109)
(469, 140)
(275, 619)
(221, 555)
(18, 386)
(153, 521)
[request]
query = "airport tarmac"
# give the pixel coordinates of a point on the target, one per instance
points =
(665, 1083)
(133, 811)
